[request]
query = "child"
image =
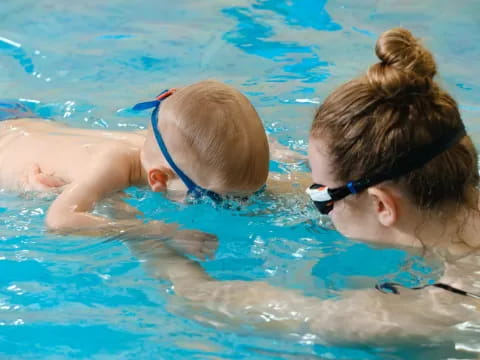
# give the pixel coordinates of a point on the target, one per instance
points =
(205, 139)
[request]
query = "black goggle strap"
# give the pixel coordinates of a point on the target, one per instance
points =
(392, 287)
(403, 165)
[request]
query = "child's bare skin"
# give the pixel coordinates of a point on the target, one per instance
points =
(42, 155)
(280, 152)
(211, 131)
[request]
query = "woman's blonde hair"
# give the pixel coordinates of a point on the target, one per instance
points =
(396, 107)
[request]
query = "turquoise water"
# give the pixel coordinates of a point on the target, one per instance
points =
(85, 63)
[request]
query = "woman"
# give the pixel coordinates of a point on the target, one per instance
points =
(392, 164)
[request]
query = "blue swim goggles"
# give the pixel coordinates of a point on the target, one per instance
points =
(193, 189)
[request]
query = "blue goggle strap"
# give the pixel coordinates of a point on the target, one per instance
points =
(193, 189)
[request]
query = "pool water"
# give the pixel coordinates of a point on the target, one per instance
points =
(87, 62)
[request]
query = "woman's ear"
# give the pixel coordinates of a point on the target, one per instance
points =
(385, 204)
(157, 179)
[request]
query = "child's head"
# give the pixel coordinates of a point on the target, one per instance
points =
(214, 135)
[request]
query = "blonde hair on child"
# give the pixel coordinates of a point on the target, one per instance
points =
(217, 137)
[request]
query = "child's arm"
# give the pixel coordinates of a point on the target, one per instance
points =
(292, 183)
(118, 208)
(279, 152)
(71, 210)
(69, 213)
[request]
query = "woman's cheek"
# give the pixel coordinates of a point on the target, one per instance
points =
(347, 220)
(337, 218)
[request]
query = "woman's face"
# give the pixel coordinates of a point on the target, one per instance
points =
(353, 216)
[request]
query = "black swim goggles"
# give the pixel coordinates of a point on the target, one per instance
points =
(324, 197)
(193, 189)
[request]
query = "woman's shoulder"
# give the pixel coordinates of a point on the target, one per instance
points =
(464, 272)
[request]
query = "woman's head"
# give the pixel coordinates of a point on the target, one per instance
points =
(366, 125)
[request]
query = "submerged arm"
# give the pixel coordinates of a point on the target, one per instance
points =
(363, 316)
(289, 183)
(282, 153)
(71, 212)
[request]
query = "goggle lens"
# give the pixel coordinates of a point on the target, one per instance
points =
(324, 206)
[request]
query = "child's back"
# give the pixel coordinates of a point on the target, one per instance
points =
(41, 155)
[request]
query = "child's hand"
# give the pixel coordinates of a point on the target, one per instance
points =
(36, 180)
(194, 242)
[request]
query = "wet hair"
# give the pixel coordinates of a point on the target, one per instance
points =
(371, 121)
(212, 129)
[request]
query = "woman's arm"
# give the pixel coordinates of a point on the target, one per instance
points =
(363, 316)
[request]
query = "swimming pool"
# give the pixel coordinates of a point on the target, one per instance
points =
(87, 62)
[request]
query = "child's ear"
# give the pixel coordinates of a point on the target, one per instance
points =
(385, 205)
(157, 179)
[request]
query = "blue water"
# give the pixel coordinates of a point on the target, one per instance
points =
(86, 62)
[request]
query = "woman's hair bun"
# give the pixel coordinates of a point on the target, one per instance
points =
(397, 47)
(404, 63)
